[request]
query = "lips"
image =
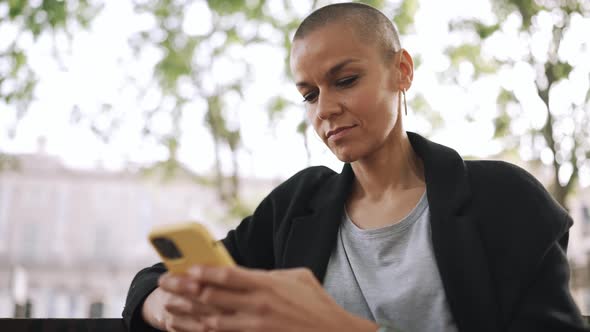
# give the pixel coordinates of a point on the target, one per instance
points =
(337, 130)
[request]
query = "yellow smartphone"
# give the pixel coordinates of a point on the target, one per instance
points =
(185, 244)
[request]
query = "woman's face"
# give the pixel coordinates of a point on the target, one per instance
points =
(349, 90)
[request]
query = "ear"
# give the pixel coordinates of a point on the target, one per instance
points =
(405, 68)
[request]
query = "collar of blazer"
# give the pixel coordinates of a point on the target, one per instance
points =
(458, 250)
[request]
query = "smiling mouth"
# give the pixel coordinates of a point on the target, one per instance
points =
(338, 130)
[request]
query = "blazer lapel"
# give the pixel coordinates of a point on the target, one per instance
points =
(457, 244)
(312, 237)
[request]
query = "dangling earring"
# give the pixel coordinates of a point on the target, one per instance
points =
(405, 104)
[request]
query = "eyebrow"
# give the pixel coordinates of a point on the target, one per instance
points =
(335, 69)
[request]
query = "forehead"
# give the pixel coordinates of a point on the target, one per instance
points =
(326, 46)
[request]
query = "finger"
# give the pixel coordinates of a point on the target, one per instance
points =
(178, 305)
(232, 300)
(179, 285)
(236, 322)
(300, 274)
(297, 275)
(179, 323)
(230, 277)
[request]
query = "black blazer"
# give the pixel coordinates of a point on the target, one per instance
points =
(499, 240)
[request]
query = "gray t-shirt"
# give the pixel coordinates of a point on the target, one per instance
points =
(389, 274)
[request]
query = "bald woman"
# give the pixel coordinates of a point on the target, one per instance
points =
(408, 237)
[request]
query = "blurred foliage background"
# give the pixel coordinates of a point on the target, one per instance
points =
(184, 72)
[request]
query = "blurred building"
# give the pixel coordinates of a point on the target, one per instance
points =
(72, 240)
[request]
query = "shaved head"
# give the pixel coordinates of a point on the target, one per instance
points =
(369, 24)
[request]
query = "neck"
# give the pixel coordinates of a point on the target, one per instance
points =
(392, 168)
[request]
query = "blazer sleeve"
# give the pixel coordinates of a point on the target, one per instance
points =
(144, 282)
(547, 304)
(250, 244)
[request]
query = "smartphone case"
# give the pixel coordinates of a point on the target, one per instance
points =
(195, 244)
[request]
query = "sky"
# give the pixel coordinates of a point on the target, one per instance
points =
(96, 67)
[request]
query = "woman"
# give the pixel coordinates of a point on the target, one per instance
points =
(409, 237)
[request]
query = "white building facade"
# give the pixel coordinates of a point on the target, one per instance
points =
(71, 241)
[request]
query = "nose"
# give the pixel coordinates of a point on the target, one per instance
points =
(327, 107)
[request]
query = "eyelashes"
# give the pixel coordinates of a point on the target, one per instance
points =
(341, 83)
(308, 98)
(347, 81)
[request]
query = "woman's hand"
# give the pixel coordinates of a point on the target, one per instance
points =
(281, 300)
(174, 306)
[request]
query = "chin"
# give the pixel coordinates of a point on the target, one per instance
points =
(346, 160)
(346, 156)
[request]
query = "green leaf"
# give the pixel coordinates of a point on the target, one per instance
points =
(404, 20)
(484, 31)
(233, 37)
(526, 8)
(162, 10)
(175, 64)
(471, 53)
(277, 105)
(502, 125)
(16, 7)
(33, 25)
(561, 70)
(56, 12)
(505, 97)
(225, 7)
(302, 127)
(20, 59)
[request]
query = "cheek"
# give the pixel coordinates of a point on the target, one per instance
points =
(309, 114)
(376, 113)
(313, 121)
(369, 104)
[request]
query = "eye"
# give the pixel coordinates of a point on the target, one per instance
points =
(310, 97)
(347, 81)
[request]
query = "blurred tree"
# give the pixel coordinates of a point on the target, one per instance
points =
(563, 137)
(20, 22)
(190, 59)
